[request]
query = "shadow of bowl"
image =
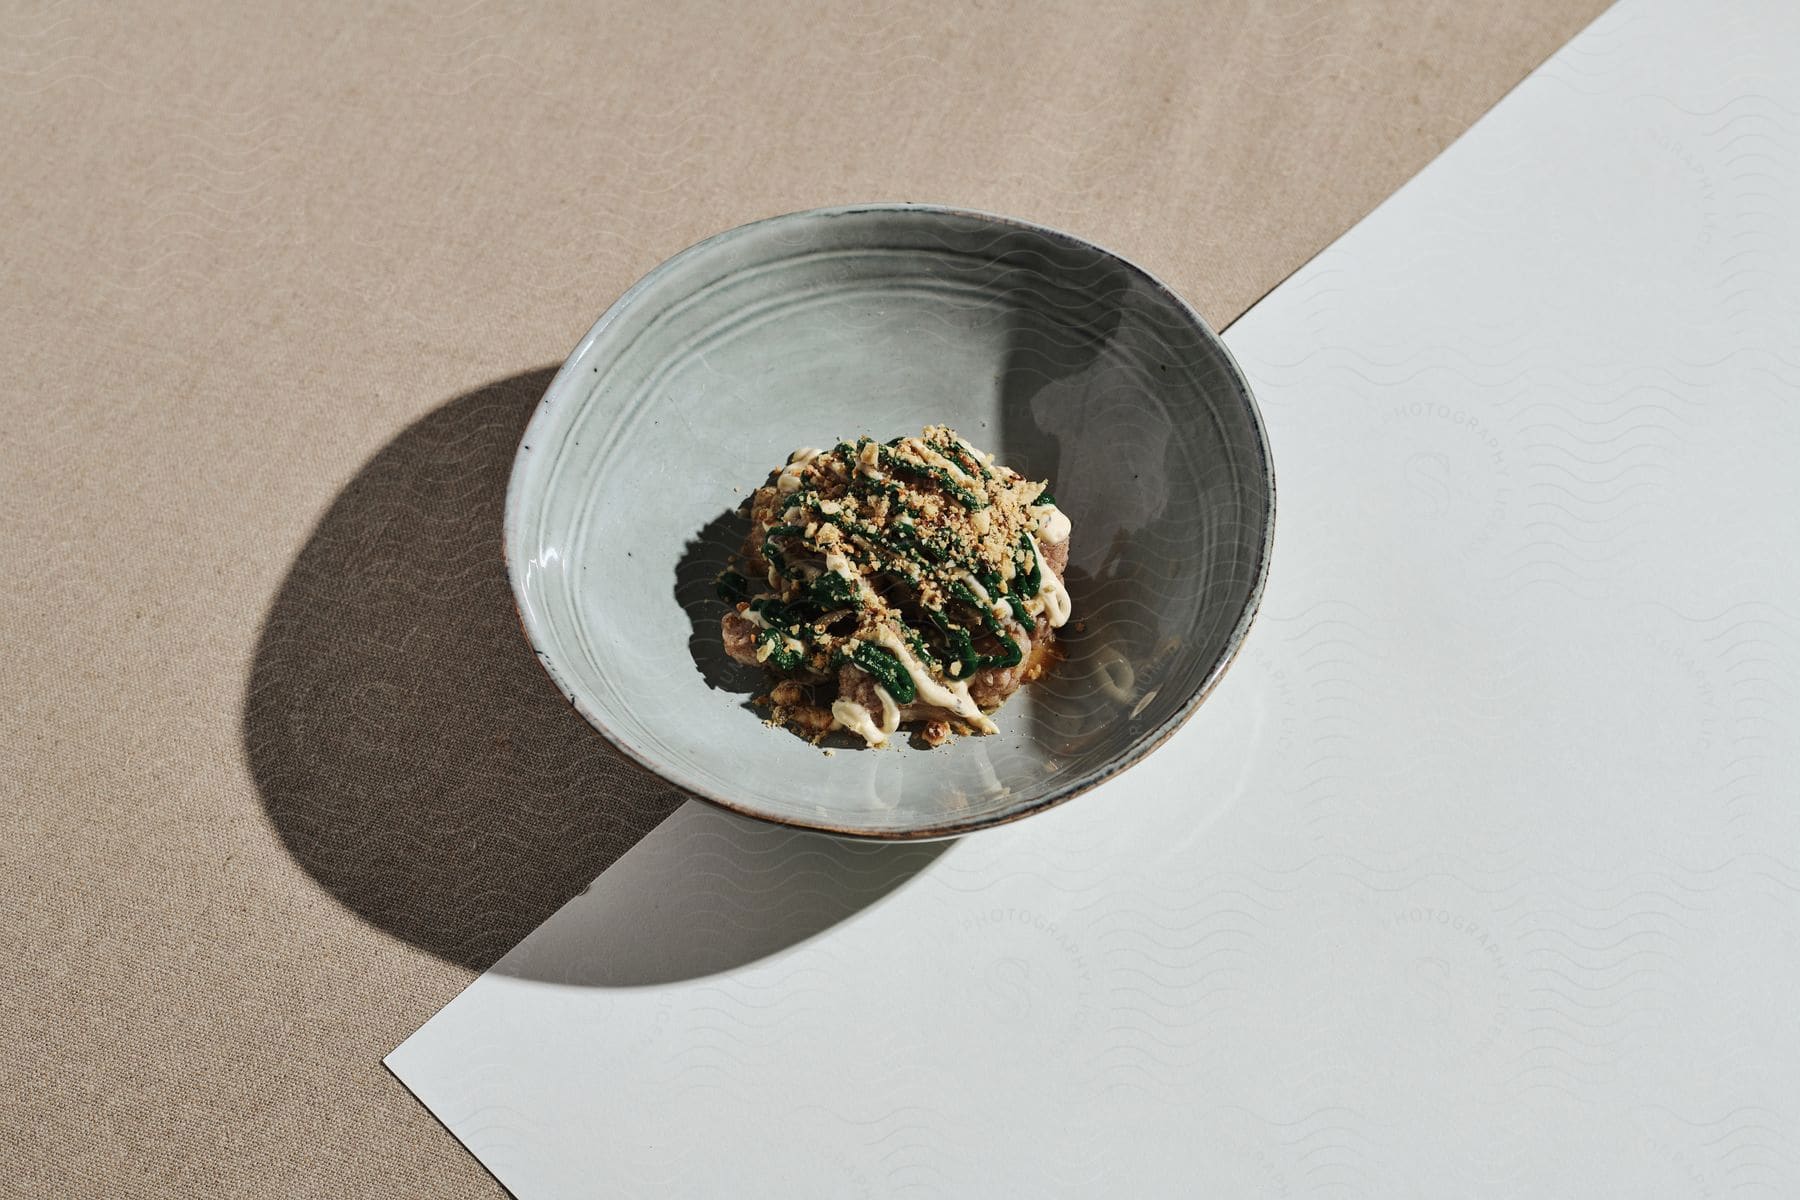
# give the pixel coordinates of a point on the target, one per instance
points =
(415, 761)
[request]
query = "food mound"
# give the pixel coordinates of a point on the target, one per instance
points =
(911, 583)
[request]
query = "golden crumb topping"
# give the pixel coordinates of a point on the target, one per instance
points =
(916, 560)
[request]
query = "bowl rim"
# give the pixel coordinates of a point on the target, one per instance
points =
(1126, 759)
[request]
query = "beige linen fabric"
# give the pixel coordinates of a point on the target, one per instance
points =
(277, 773)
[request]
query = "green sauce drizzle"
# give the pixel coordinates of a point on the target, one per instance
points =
(781, 656)
(888, 671)
(893, 462)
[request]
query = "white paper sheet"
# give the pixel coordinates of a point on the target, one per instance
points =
(1478, 876)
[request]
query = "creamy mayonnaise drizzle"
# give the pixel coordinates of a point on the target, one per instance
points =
(1052, 523)
(851, 714)
(955, 697)
(788, 481)
(857, 718)
(975, 454)
(948, 465)
(1000, 609)
(1050, 589)
(837, 562)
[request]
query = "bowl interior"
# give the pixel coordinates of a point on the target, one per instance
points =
(1064, 360)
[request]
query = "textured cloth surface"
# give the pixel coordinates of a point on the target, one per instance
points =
(277, 772)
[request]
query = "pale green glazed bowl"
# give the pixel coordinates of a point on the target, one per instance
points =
(1068, 362)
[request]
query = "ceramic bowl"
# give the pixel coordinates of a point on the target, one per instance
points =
(1066, 361)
